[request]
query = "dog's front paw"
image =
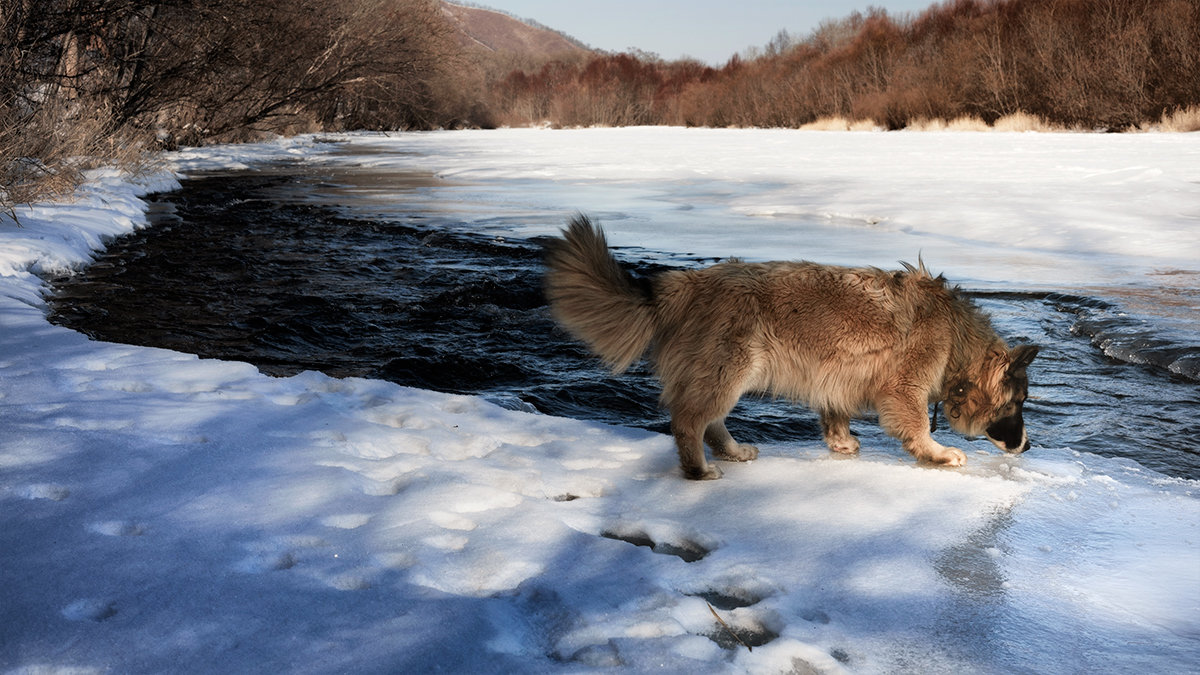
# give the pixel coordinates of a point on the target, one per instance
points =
(740, 452)
(950, 457)
(847, 445)
(707, 472)
(936, 453)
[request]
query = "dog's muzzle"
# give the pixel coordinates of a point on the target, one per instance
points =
(1008, 434)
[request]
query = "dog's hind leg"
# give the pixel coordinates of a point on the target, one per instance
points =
(723, 445)
(903, 415)
(699, 399)
(836, 430)
(688, 430)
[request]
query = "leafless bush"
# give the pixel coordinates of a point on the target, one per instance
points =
(82, 78)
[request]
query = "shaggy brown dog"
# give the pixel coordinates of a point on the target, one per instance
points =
(842, 340)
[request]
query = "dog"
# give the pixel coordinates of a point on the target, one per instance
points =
(842, 340)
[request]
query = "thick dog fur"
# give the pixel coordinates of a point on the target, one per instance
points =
(842, 340)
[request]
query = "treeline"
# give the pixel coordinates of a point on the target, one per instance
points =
(98, 78)
(1090, 64)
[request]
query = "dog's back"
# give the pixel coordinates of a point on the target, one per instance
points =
(818, 334)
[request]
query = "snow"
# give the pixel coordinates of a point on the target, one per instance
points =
(163, 513)
(1063, 209)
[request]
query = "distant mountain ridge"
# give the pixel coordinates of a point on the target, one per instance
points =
(495, 31)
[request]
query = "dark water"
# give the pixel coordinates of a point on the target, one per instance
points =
(244, 267)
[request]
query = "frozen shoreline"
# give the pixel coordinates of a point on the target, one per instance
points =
(164, 510)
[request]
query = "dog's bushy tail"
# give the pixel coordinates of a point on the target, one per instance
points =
(594, 298)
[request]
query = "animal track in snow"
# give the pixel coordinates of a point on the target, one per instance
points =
(735, 620)
(742, 629)
(683, 548)
(730, 598)
(737, 587)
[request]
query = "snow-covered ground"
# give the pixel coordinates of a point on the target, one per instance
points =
(162, 513)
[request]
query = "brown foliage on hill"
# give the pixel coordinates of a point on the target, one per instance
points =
(610, 90)
(495, 32)
(1092, 64)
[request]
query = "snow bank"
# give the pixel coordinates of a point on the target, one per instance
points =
(163, 513)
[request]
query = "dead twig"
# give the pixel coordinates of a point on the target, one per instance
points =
(727, 628)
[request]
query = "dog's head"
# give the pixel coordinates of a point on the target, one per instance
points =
(991, 401)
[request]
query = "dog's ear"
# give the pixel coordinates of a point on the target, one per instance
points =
(1020, 357)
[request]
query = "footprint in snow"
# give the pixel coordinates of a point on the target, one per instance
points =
(737, 587)
(729, 597)
(726, 619)
(740, 628)
(683, 548)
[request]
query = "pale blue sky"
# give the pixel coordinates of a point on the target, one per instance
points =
(708, 30)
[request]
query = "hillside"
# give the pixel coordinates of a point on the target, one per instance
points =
(494, 31)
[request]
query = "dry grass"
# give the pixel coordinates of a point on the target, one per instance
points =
(965, 123)
(1015, 122)
(926, 125)
(839, 123)
(43, 154)
(1020, 121)
(827, 124)
(1181, 120)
